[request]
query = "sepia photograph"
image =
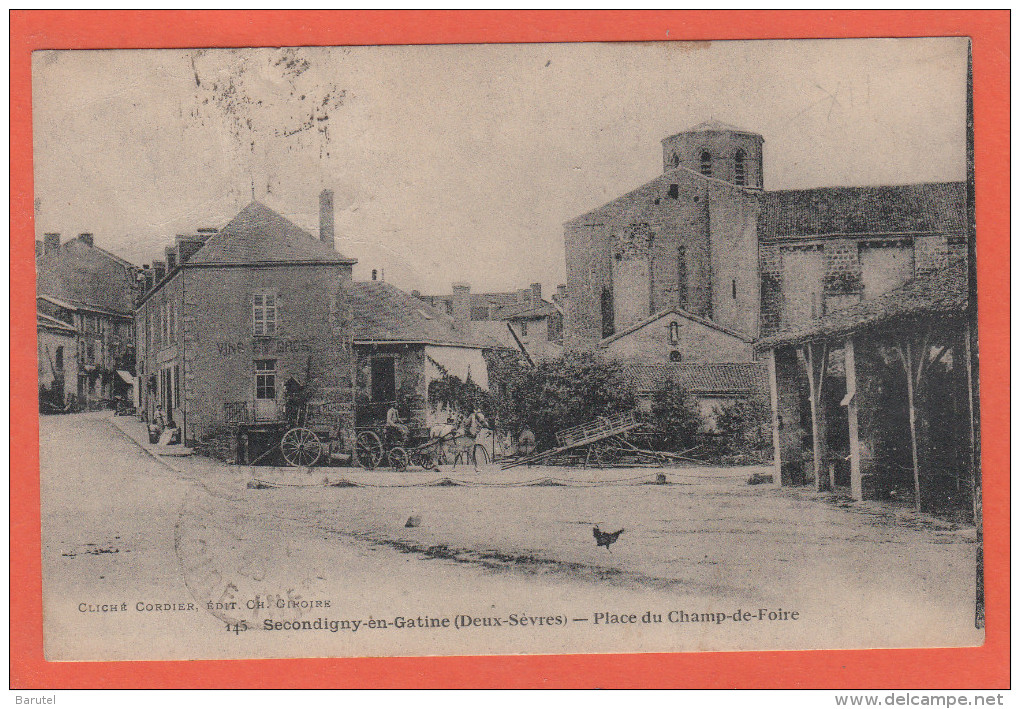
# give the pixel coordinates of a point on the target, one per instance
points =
(503, 349)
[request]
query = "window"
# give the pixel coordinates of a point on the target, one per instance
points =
(524, 328)
(738, 168)
(675, 160)
(60, 358)
(706, 163)
(734, 288)
(674, 356)
(265, 379)
(264, 314)
(674, 333)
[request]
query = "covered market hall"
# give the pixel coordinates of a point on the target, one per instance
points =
(877, 398)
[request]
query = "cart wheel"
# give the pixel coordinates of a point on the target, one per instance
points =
(368, 450)
(479, 455)
(423, 459)
(301, 447)
(397, 458)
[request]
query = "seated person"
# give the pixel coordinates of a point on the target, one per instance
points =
(395, 425)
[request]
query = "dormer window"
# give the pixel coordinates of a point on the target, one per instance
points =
(706, 163)
(674, 333)
(739, 176)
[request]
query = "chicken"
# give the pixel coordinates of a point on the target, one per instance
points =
(604, 539)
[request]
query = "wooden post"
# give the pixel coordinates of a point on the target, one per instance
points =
(856, 483)
(908, 359)
(816, 376)
(777, 458)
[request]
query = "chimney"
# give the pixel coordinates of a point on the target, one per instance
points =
(326, 217)
(51, 243)
(461, 302)
(171, 258)
(187, 246)
(561, 294)
(536, 294)
(39, 248)
(85, 238)
(147, 276)
(159, 267)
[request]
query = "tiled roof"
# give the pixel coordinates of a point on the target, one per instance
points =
(932, 207)
(259, 235)
(715, 378)
(384, 313)
(85, 276)
(936, 294)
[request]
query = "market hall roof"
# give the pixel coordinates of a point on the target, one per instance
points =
(938, 294)
(935, 207)
(382, 313)
(258, 235)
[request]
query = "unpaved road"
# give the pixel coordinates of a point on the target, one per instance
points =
(193, 555)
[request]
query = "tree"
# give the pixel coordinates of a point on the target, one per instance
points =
(557, 393)
(675, 413)
(746, 426)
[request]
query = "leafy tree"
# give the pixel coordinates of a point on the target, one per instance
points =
(675, 413)
(557, 393)
(746, 426)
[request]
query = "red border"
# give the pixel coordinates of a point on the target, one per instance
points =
(984, 667)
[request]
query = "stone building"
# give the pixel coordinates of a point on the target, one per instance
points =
(706, 239)
(401, 345)
(521, 320)
(57, 343)
(90, 290)
(237, 322)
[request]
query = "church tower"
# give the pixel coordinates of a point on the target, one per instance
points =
(717, 150)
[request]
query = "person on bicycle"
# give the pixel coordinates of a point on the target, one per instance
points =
(476, 422)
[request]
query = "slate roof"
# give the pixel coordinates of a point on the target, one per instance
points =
(86, 276)
(259, 235)
(705, 379)
(384, 313)
(931, 207)
(681, 313)
(937, 294)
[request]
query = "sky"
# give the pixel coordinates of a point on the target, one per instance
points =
(461, 162)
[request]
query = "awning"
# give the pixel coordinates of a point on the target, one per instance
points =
(461, 362)
(126, 376)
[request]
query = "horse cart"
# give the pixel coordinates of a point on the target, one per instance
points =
(377, 446)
